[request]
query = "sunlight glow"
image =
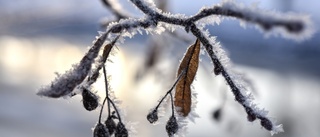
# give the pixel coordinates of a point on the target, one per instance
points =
(115, 68)
(16, 55)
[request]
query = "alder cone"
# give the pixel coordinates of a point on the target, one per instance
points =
(189, 64)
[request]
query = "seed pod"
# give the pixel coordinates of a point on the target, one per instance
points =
(111, 125)
(153, 116)
(100, 131)
(89, 100)
(121, 130)
(172, 126)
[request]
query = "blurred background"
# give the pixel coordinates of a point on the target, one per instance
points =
(38, 38)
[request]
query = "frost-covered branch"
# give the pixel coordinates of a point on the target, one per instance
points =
(298, 27)
(156, 21)
(66, 83)
(266, 19)
(92, 78)
(292, 25)
(238, 90)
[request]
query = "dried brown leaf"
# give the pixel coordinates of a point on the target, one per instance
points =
(189, 63)
(106, 51)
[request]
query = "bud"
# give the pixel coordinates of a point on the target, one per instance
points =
(117, 29)
(121, 130)
(111, 125)
(172, 126)
(217, 114)
(294, 27)
(153, 116)
(251, 117)
(217, 70)
(100, 131)
(266, 123)
(89, 100)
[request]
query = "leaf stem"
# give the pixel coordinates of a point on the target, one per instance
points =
(115, 108)
(106, 85)
(107, 96)
(102, 109)
(172, 107)
(169, 92)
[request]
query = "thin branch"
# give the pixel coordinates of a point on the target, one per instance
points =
(172, 107)
(107, 90)
(295, 26)
(170, 90)
(108, 98)
(101, 110)
(92, 78)
(115, 8)
(267, 21)
(115, 108)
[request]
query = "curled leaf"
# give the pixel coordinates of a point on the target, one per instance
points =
(189, 63)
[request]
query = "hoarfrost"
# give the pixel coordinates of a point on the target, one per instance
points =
(64, 84)
(183, 125)
(292, 26)
(277, 129)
